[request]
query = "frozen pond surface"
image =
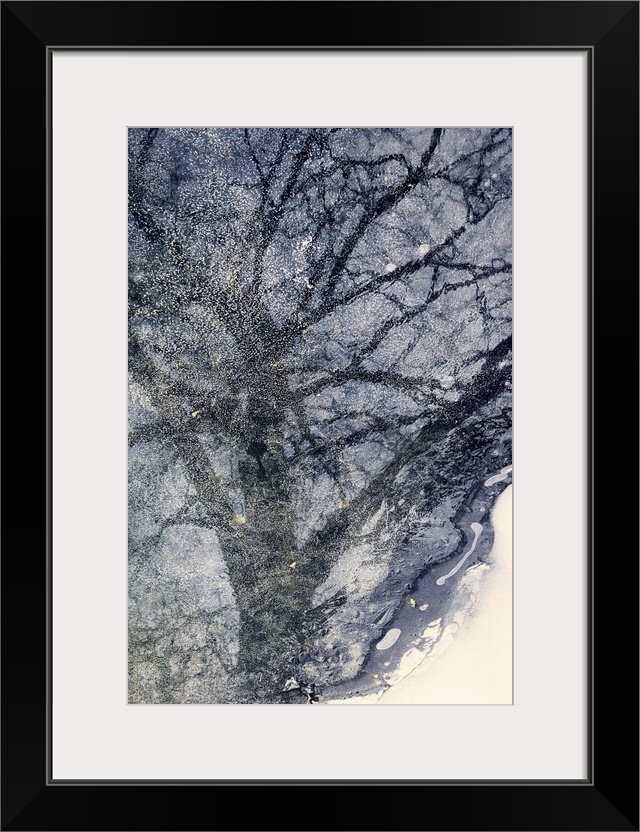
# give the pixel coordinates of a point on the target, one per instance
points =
(319, 402)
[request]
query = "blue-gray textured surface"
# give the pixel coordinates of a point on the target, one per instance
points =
(320, 389)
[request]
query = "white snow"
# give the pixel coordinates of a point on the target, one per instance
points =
(504, 472)
(389, 639)
(476, 528)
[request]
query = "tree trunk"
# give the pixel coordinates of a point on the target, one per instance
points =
(272, 589)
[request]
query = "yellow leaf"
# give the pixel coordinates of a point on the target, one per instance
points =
(240, 519)
(412, 602)
(195, 413)
(294, 564)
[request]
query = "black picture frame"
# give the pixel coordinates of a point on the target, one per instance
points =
(608, 798)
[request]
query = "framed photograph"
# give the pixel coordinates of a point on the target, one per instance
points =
(335, 294)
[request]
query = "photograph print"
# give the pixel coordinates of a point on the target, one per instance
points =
(320, 415)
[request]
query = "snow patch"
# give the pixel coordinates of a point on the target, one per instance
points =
(389, 639)
(504, 473)
(476, 528)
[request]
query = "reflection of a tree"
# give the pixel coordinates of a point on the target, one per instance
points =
(330, 309)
